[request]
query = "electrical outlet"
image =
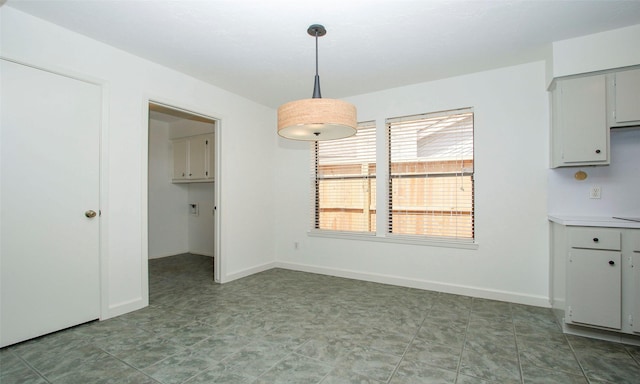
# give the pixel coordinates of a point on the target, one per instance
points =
(595, 192)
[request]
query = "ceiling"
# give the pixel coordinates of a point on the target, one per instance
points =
(260, 49)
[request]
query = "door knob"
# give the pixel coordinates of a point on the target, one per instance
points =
(90, 213)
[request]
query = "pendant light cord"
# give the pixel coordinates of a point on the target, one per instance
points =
(316, 83)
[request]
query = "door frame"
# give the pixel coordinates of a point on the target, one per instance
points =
(217, 247)
(103, 159)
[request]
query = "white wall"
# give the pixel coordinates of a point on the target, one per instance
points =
(620, 181)
(511, 161)
(247, 140)
(168, 214)
(596, 52)
(200, 235)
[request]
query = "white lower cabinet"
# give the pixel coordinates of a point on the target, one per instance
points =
(594, 287)
(595, 280)
(635, 258)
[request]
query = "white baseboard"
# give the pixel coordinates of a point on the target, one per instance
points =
(125, 307)
(512, 297)
(247, 272)
(159, 256)
(201, 253)
(600, 334)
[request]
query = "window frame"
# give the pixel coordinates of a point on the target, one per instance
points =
(430, 214)
(370, 126)
(383, 177)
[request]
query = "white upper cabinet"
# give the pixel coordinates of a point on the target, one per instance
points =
(580, 135)
(193, 159)
(585, 108)
(624, 106)
(198, 148)
(180, 159)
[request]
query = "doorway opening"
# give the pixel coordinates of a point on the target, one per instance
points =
(182, 185)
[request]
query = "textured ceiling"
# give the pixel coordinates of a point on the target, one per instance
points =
(260, 49)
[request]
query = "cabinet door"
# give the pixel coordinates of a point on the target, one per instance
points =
(627, 96)
(636, 291)
(180, 159)
(594, 287)
(210, 157)
(583, 120)
(197, 157)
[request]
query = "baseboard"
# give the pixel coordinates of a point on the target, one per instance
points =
(201, 253)
(160, 256)
(247, 272)
(125, 307)
(538, 301)
(600, 334)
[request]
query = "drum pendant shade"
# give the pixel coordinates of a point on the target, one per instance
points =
(317, 119)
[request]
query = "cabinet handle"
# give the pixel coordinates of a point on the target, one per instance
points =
(611, 262)
(595, 239)
(597, 151)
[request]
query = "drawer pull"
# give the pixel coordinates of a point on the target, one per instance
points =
(595, 239)
(611, 262)
(597, 151)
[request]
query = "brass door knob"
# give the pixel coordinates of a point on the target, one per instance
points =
(90, 213)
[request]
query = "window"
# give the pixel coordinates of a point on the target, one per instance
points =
(344, 178)
(430, 190)
(431, 175)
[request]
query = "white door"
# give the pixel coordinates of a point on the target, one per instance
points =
(49, 179)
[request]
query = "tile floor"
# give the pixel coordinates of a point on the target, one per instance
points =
(282, 326)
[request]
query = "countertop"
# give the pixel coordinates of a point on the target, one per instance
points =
(593, 221)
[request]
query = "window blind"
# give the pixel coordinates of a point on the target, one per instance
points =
(431, 175)
(343, 177)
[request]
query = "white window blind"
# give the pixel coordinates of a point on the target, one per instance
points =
(343, 177)
(431, 175)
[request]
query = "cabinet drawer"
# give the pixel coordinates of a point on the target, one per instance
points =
(594, 238)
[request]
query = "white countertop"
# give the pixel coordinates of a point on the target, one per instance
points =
(593, 221)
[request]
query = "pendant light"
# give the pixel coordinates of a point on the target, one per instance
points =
(317, 119)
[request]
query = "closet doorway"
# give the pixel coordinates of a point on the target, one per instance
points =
(182, 184)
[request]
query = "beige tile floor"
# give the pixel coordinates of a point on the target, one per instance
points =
(283, 326)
